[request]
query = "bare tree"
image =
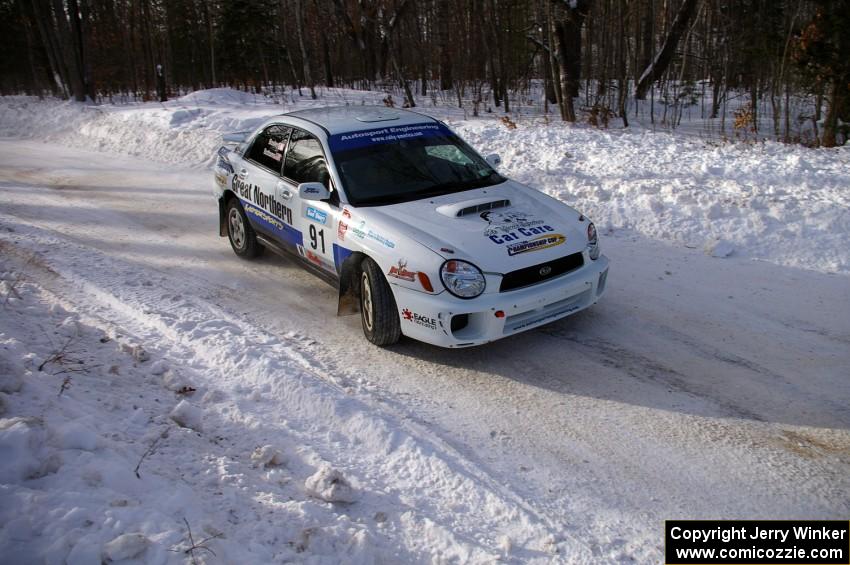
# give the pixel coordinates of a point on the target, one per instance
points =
(659, 64)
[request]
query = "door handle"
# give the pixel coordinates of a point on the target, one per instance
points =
(243, 172)
(285, 194)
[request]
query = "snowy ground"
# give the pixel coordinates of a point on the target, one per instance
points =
(700, 387)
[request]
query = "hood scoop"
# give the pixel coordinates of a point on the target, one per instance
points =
(470, 207)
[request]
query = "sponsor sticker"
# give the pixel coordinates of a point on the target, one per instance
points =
(419, 319)
(224, 166)
(380, 239)
(312, 257)
(536, 244)
(316, 215)
(271, 154)
(252, 193)
(400, 271)
(361, 232)
(506, 222)
(340, 230)
(520, 233)
(393, 134)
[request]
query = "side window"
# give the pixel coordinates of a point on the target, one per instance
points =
(305, 161)
(269, 146)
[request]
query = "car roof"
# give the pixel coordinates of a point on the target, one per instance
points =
(344, 119)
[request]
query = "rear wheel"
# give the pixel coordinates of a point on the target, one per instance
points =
(378, 310)
(242, 238)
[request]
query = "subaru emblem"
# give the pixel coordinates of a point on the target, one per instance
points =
(545, 270)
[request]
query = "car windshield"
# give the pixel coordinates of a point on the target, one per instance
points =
(394, 165)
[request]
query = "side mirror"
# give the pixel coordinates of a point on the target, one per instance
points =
(313, 191)
(493, 159)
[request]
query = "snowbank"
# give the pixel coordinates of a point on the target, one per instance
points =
(780, 203)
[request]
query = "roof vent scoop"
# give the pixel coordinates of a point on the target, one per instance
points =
(377, 116)
(470, 207)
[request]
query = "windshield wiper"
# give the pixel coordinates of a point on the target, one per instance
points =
(436, 190)
(449, 187)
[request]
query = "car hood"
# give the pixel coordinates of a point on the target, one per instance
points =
(499, 228)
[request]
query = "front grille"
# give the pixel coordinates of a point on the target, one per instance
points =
(532, 275)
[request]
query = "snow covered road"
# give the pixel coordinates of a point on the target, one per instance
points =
(699, 388)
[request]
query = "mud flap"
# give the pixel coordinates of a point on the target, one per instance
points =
(349, 304)
(222, 212)
(349, 295)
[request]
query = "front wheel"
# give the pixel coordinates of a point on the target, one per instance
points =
(378, 310)
(242, 238)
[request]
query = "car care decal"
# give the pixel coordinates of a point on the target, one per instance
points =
(252, 193)
(506, 222)
(356, 140)
(340, 255)
(400, 271)
(316, 215)
(520, 233)
(536, 244)
(419, 319)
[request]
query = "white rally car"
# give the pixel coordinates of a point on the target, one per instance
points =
(419, 233)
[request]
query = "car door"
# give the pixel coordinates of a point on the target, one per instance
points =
(305, 162)
(258, 182)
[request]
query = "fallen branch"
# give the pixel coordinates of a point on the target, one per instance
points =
(151, 448)
(66, 384)
(190, 551)
(13, 290)
(60, 357)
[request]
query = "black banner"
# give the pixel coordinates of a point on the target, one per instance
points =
(757, 542)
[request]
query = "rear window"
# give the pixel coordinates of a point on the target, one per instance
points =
(269, 147)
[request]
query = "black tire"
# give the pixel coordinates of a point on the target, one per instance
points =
(378, 310)
(242, 237)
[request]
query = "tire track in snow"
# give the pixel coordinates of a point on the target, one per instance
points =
(184, 326)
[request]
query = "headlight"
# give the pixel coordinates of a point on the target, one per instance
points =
(592, 242)
(462, 279)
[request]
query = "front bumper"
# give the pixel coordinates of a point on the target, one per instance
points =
(428, 317)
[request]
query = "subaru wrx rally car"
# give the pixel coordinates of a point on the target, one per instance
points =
(419, 233)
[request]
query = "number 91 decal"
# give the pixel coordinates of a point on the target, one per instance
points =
(316, 237)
